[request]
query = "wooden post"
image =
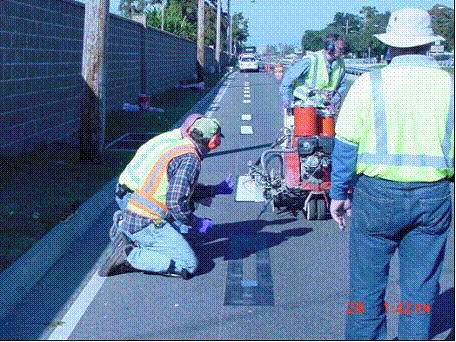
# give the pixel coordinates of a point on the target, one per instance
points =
(217, 35)
(200, 42)
(93, 106)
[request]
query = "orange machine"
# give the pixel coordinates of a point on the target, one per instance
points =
(295, 172)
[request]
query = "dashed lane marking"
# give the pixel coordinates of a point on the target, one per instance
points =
(246, 130)
(246, 117)
(246, 101)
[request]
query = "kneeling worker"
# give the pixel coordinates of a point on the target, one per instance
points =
(149, 230)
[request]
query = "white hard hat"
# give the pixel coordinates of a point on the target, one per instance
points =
(408, 27)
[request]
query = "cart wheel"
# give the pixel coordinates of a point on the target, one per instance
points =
(312, 209)
(321, 209)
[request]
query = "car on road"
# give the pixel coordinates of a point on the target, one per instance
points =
(249, 62)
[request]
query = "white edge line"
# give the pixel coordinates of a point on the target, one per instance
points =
(78, 308)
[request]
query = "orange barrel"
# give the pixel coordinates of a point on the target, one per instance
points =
(326, 126)
(305, 121)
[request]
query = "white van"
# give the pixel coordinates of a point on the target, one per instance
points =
(248, 61)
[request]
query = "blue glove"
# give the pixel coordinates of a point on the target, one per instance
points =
(224, 188)
(204, 225)
(285, 104)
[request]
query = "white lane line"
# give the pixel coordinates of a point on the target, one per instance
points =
(218, 98)
(247, 95)
(78, 308)
(246, 117)
(246, 84)
(246, 130)
(246, 101)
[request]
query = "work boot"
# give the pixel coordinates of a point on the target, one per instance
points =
(116, 218)
(124, 267)
(116, 256)
(171, 272)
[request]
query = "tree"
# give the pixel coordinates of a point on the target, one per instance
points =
(174, 21)
(312, 40)
(369, 13)
(442, 18)
(128, 8)
(240, 30)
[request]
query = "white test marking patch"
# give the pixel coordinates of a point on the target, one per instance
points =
(247, 95)
(246, 130)
(246, 101)
(246, 117)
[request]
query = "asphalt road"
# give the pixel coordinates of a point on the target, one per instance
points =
(277, 277)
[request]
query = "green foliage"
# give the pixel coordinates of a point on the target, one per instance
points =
(130, 7)
(443, 24)
(240, 30)
(180, 18)
(173, 22)
(359, 30)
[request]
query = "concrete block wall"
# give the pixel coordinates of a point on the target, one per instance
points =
(40, 76)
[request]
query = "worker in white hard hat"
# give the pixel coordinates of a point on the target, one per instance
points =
(395, 145)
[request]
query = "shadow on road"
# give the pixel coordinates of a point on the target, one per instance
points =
(215, 244)
(442, 317)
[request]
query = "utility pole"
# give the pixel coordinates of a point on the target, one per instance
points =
(217, 36)
(230, 30)
(200, 42)
(346, 28)
(163, 14)
(93, 106)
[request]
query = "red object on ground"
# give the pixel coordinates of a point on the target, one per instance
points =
(144, 102)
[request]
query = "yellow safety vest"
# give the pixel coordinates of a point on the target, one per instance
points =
(317, 77)
(402, 124)
(135, 172)
(149, 200)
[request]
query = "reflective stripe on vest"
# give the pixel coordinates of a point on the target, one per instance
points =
(382, 156)
(137, 168)
(148, 199)
(315, 79)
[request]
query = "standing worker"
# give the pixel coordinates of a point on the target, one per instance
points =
(150, 230)
(322, 70)
(395, 144)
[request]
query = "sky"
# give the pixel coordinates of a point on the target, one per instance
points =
(285, 21)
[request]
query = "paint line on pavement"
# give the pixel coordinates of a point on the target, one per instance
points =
(78, 308)
(247, 95)
(246, 130)
(248, 279)
(246, 101)
(246, 117)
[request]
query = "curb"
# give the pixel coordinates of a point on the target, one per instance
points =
(20, 277)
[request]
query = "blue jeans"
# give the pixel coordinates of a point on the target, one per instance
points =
(413, 218)
(159, 245)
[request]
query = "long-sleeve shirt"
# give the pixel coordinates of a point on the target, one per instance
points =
(183, 172)
(350, 128)
(300, 69)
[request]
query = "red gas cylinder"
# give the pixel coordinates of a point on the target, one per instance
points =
(326, 126)
(305, 121)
